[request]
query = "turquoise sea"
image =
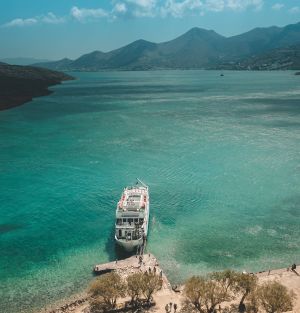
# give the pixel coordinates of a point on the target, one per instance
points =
(221, 156)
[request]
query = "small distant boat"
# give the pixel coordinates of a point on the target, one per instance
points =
(132, 217)
(221, 74)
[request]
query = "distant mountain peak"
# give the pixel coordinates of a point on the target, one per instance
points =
(201, 33)
(66, 59)
(96, 52)
(198, 30)
(141, 43)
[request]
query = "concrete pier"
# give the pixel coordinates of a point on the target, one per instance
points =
(139, 263)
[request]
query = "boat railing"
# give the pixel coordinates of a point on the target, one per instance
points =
(130, 238)
(131, 225)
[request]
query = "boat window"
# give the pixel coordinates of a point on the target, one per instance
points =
(136, 220)
(124, 220)
(120, 233)
(141, 220)
(130, 220)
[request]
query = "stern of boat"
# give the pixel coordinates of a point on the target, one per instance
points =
(129, 245)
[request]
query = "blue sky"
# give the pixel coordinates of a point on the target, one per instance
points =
(54, 29)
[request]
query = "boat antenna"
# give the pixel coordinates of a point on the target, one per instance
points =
(138, 180)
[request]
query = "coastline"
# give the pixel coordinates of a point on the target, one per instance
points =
(13, 101)
(79, 302)
(20, 84)
(76, 303)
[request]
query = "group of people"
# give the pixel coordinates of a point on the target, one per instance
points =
(149, 269)
(169, 306)
(154, 271)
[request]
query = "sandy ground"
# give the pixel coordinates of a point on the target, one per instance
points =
(166, 295)
(288, 278)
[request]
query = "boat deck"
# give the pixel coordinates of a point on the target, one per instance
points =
(133, 199)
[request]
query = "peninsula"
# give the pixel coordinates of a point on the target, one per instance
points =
(20, 84)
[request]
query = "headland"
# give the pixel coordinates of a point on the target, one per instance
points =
(20, 84)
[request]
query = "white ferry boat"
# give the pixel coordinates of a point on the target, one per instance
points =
(132, 217)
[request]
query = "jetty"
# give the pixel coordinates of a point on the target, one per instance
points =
(139, 263)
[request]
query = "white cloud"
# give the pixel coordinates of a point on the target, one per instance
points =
(120, 8)
(294, 10)
(83, 14)
(146, 8)
(215, 5)
(237, 5)
(134, 8)
(180, 8)
(278, 6)
(146, 4)
(49, 18)
(21, 22)
(142, 8)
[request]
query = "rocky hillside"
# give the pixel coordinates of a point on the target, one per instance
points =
(286, 58)
(19, 84)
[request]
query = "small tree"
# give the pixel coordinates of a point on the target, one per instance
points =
(206, 294)
(135, 286)
(244, 284)
(215, 293)
(105, 291)
(150, 284)
(275, 298)
(252, 304)
(193, 290)
(225, 278)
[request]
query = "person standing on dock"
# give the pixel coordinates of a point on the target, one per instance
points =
(167, 308)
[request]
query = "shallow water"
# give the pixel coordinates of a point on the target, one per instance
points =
(221, 156)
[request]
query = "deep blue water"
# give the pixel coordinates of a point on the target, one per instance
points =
(221, 156)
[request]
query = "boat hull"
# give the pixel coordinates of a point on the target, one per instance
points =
(129, 245)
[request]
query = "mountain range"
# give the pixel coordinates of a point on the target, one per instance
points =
(197, 49)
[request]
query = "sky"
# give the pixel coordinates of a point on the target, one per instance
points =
(54, 29)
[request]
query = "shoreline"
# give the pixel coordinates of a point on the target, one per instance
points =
(7, 103)
(20, 84)
(79, 302)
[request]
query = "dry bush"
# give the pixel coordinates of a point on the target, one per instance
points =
(135, 287)
(275, 298)
(150, 284)
(205, 294)
(105, 290)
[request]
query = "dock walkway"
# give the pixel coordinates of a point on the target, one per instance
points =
(134, 264)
